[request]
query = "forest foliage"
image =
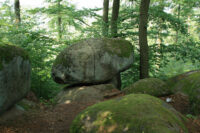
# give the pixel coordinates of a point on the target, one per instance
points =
(173, 36)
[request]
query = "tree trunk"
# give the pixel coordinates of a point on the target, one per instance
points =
(105, 25)
(17, 12)
(115, 14)
(144, 56)
(59, 22)
(59, 28)
(159, 39)
(177, 31)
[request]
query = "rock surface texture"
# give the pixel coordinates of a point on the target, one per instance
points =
(84, 94)
(134, 113)
(15, 71)
(92, 61)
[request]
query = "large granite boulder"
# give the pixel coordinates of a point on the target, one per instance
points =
(92, 61)
(15, 73)
(151, 86)
(134, 113)
(85, 94)
(189, 84)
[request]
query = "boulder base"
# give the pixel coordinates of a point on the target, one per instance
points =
(85, 94)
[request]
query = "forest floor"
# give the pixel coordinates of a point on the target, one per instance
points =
(57, 119)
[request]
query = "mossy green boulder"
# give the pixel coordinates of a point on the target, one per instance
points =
(134, 113)
(151, 86)
(8, 52)
(92, 61)
(15, 72)
(189, 84)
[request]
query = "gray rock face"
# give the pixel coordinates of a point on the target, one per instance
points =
(14, 82)
(92, 61)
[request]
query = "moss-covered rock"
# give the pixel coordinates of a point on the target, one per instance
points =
(92, 61)
(8, 52)
(134, 113)
(151, 86)
(189, 84)
(15, 75)
(117, 46)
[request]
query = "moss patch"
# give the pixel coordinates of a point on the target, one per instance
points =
(119, 47)
(8, 52)
(189, 84)
(134, 113)
(151, 86)
(27, 105)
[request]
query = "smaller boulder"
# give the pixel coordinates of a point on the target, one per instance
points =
(84, 94)
(151, 86)
(134, 113)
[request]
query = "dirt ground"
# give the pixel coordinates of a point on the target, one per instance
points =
(57, 119)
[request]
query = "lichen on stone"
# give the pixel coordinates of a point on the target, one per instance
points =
(8, 52)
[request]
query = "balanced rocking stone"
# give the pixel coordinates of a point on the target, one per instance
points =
(93, 61)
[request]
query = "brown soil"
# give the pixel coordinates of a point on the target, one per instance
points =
(44, 120)
(181, 103)
(57, 119)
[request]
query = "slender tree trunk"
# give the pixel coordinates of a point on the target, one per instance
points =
(158, 49)
(159, 40)
(115, 14)
(105, 25)
(177, 31)
(144, 56)
(17, 12)
(59, 22)
(188, 23)
(59, 27)
(11, 14)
